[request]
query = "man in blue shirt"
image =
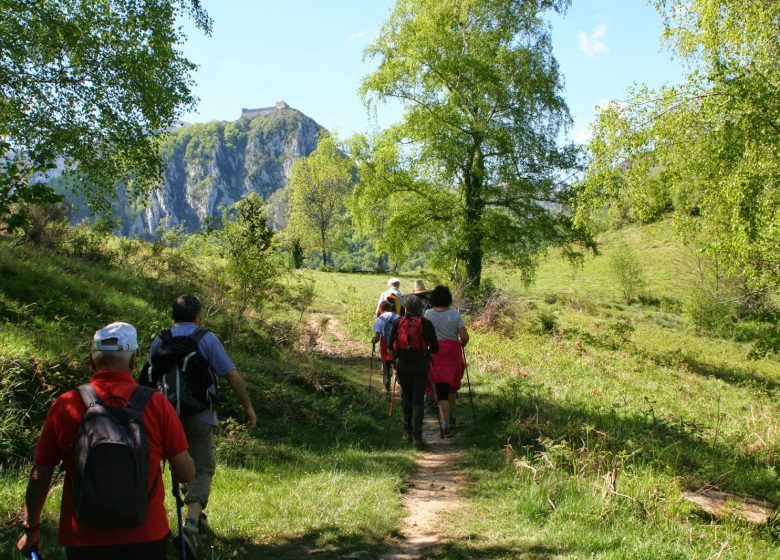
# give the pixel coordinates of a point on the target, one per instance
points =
(199, 428)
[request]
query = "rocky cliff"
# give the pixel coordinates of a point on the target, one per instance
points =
(209, 166)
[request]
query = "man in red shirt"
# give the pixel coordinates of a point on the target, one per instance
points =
(114, 354)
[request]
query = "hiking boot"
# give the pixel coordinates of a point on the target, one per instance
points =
(189, 533)
(418, 442)
(446, 433)
(406, 437)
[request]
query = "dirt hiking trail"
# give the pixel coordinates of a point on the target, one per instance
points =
(433, 491)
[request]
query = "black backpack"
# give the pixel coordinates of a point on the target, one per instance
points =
(111, 462)
(181, 372)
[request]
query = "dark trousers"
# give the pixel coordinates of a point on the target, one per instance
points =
(154, 550)
(413, 379)
(387, 374)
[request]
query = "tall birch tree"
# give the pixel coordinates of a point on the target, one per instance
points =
(474, 169)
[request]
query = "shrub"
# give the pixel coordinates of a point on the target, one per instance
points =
(709, 313)
(89, 241)
(297, 254)
(650, 301)
(236, 446)
(472, 300)
(548, 322)
(670, 305)
(767, 342)
(498, 314)
(47, 225)
(253, 268)
(620, 331)
(627, 271)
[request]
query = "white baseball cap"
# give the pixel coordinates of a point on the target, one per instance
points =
(116, 337)
(392, 281)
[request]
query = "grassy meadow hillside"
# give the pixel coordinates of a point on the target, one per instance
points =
(593, 415)
(313, 475)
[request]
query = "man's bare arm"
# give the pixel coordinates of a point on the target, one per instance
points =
(182, 467)
(239, 388)
(34, 498)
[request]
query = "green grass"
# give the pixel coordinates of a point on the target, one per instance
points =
(667, 267)
(578, 383)
(314, 476)
(615, 386)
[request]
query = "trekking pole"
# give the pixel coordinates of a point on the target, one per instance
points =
(392, 406)
(468, 382)
(179, 504)
(371, 371)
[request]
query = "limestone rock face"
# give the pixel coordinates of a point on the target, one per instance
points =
(210, 166)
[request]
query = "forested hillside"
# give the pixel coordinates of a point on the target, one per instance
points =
(208, 167)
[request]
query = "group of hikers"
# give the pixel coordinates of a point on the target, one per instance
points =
(423, 338)
(111, 434)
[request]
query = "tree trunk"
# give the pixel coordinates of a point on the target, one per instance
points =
(474, 176)
(324, 246)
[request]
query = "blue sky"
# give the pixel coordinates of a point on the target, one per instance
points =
(309, 54)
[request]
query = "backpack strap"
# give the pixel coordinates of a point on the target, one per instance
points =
(198, 334)
(89, 395)
(140, 397)
(138, 401)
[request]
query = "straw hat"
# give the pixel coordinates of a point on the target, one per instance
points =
(419, 288)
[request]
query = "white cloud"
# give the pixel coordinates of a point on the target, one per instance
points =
(356, 37)
(593, 44)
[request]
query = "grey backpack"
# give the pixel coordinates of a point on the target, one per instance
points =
(111, 462)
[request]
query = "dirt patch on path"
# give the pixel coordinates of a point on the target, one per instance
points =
(432, 492)
(326, 337)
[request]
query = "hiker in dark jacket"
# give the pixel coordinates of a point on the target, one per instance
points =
(412, 341)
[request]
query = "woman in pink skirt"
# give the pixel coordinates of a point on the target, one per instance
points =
(447, 365)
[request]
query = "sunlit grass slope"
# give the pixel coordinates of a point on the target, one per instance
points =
(609, 412)
(314, 476)
(593, 416)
